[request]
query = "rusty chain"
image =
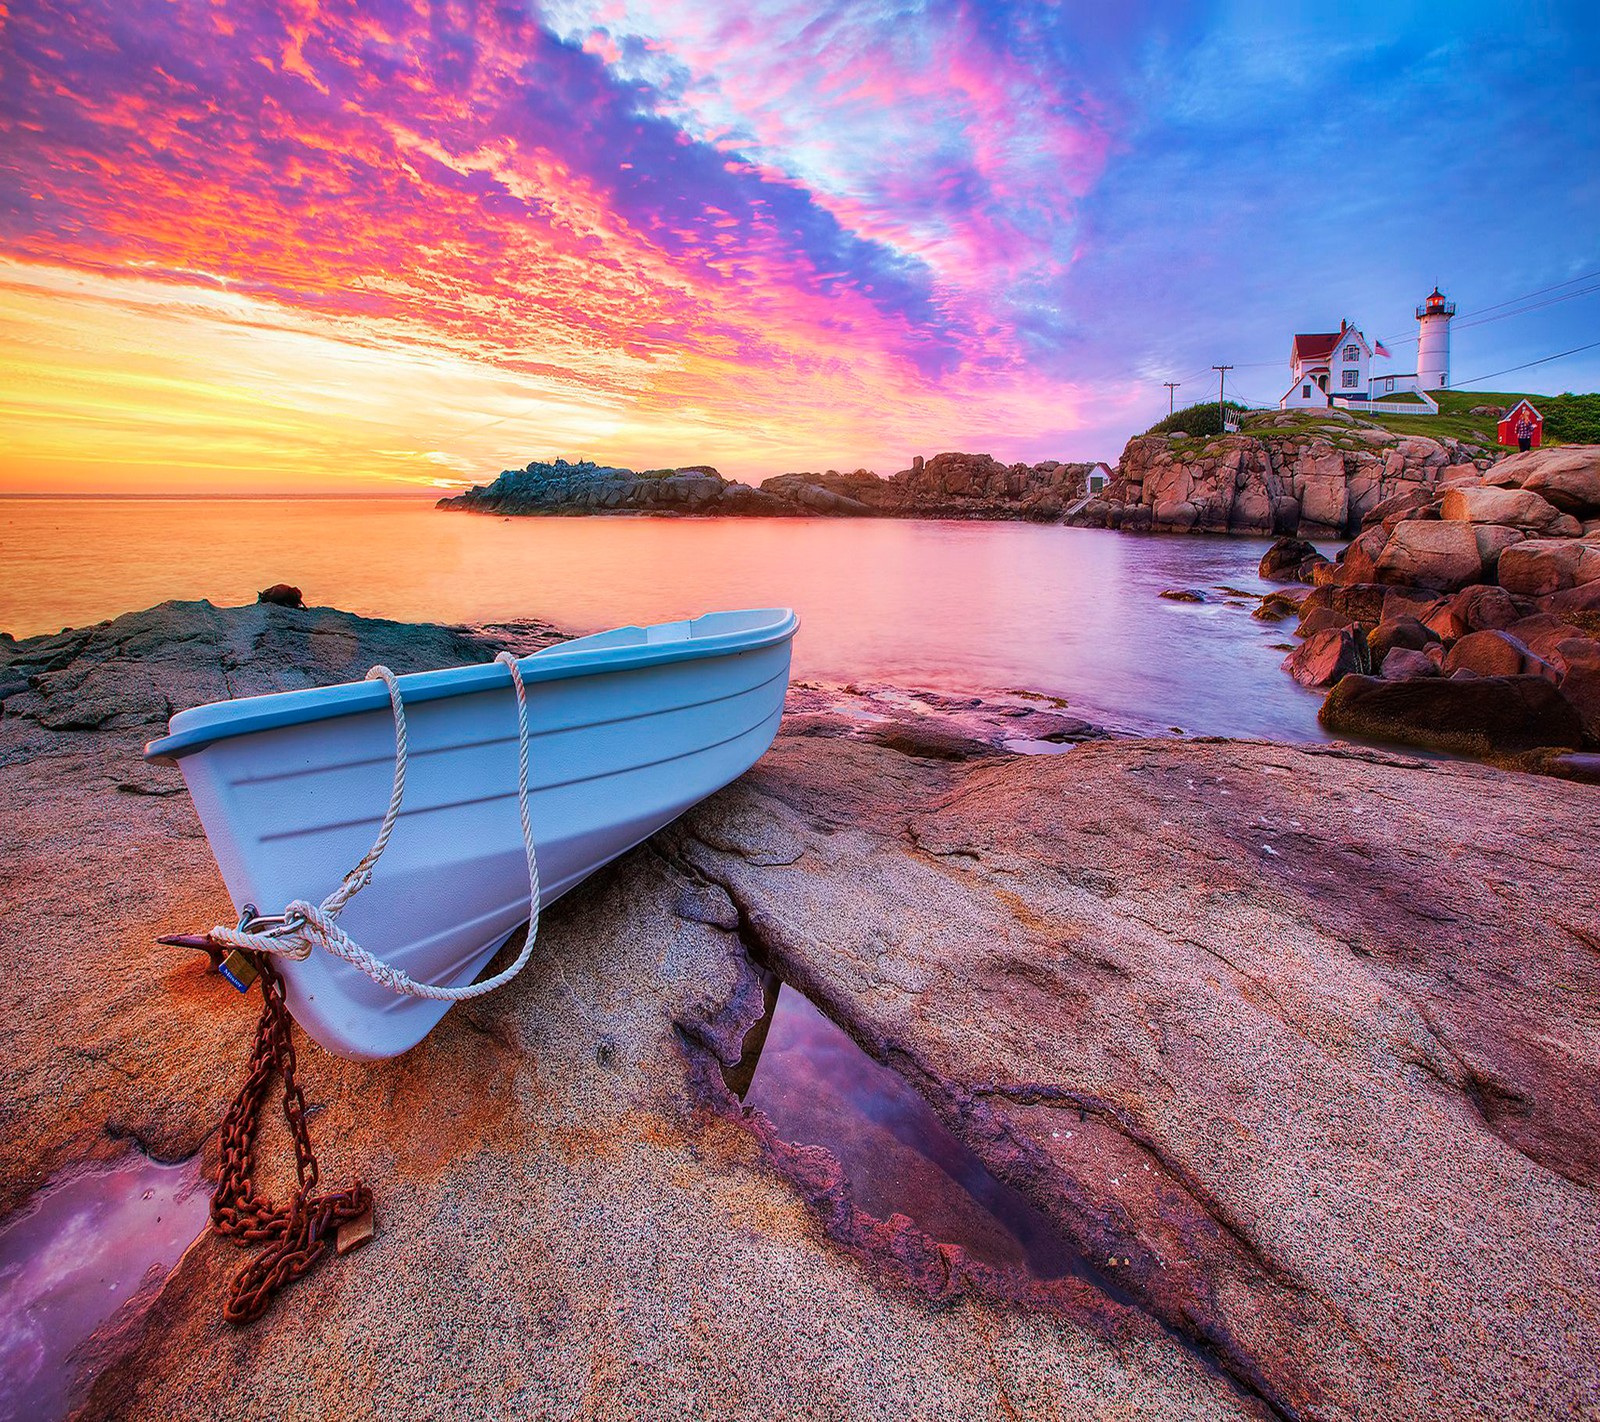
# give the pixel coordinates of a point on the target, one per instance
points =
(297, 1234)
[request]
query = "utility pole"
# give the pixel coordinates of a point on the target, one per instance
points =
(1171, 386)
(1222, 409)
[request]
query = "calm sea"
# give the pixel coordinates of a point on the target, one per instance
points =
(958, 606)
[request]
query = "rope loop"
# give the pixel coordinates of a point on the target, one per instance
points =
(306, 925)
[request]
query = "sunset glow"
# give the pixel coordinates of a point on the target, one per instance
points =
(296, 246)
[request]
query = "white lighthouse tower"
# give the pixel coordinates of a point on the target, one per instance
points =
(1433, 341)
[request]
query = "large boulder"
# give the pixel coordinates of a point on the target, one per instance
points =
(1544, 633)
(1404, 664)
(1567, 476)
(1496, 654)
(1324, 492)
(1396, 507)
(1356, 602)
(1402, 631)
(1420, 603)
(1580, 599)
(1493, 539)
(1321, 619)
(1359, 562)
(1480, 716)
(1538, 566)
(1580, 683)
(1175, 515)
(1326, 656)
(1285, 560)
(1517, 508)
(1431, 554)
(1481, 606)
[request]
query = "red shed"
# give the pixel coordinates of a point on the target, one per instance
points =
(1521, 411)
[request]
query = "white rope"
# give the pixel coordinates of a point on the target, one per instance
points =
(307, 925)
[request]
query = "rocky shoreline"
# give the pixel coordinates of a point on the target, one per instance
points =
(1313, 475)
(1294, 1045)
(1465, 616)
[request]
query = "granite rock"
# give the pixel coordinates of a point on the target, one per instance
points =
(1328, 1145)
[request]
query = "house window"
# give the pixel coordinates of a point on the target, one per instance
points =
(1388, 385)
(1352, 353)
(1305, 391)
(1349, 378)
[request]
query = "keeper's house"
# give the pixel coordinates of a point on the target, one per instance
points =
(1324, 364)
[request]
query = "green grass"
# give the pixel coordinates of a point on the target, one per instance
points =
(1568, 419)
(1201, 419)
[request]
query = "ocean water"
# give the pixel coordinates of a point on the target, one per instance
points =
(78, 1252)
(953, 606)
(818, 1087)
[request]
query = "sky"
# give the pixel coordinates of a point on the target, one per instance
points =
(270, 245)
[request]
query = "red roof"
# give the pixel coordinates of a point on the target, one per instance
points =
(1318, 346)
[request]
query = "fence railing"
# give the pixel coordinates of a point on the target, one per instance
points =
(1424, 404)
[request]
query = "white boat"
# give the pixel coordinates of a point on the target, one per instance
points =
(628, 729)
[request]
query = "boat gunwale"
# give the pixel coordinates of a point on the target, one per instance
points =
(243, 716)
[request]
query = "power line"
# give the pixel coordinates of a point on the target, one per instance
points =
(1510, 369)
(1570, 281)
(1536, 306)
(1463, 324)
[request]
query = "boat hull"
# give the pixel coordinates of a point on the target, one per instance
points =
(615, 754)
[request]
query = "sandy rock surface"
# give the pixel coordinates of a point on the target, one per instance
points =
(1305, 1037)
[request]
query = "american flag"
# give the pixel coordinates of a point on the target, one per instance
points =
(1380, 349)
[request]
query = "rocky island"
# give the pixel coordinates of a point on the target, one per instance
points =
(946, 486)
(1291, 1048)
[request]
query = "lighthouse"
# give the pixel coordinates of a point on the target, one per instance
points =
(1433, 341)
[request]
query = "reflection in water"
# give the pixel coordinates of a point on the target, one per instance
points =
(819, 1088)
(953, 606)
(74, 1256)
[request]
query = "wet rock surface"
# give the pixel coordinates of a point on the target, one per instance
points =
(1296, 1045)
